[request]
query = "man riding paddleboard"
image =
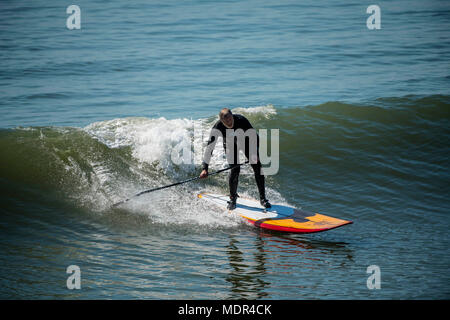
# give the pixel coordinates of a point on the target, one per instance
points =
(237, 134)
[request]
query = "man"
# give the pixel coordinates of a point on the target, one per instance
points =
(228, 127)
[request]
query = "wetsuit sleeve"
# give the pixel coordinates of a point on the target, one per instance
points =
(210, 147)
(245, 124)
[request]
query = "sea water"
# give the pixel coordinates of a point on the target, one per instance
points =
(94, 115)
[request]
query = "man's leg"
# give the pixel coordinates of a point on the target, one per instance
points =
(233, 180)
(260, 182)
(259, 177)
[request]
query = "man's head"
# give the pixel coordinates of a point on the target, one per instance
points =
(226, 117)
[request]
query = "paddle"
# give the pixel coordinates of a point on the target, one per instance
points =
(177, 183)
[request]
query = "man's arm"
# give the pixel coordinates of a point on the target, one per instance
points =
(245, 125)
(215, 133)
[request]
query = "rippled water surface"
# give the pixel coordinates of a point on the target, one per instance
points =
(93, 116)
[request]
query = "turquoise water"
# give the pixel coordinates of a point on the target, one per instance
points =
(93, 116)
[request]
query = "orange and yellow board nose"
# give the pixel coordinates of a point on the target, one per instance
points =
(314, 223)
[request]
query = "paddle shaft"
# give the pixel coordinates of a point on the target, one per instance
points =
(177, 183)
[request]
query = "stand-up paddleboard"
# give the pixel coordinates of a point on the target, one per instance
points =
(278, 217)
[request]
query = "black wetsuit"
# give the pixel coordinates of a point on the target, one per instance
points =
(240, 122)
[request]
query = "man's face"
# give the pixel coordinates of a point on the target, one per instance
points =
(227, 120)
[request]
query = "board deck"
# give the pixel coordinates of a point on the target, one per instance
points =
(278, 217)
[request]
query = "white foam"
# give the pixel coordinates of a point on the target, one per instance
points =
(151, 140)
(267, 111)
